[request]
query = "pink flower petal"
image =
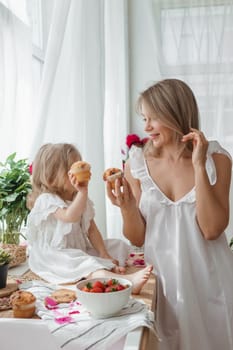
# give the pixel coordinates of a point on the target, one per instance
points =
(139, 262)
(50, 303)
(64, 319)
(74, 312)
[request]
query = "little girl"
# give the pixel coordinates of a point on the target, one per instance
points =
(65, 244)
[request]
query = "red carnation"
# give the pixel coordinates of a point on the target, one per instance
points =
(30, 169)
(131, 139)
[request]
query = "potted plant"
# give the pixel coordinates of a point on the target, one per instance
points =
(5, 258)
(14, 187)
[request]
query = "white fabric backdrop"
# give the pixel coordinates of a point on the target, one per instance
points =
(84, 89)
(15, 81)
(71, 101)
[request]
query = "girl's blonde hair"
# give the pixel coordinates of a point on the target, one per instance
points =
(174, 104)
(50, 169)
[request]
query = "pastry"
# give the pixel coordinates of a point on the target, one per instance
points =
(111, 175)
(23, 304)
(63, 296)
(81, 170)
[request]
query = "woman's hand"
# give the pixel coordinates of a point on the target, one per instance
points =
(122, 196)
(200, 146)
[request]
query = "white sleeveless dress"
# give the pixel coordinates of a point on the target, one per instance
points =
(60, 252)
(194, 276)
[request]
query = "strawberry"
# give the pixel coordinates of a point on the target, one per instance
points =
(99, 284)
(120, 287)
(96, 290)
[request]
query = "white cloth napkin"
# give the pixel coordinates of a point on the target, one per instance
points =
(73, 327)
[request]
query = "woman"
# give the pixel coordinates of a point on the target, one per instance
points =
(175, 201)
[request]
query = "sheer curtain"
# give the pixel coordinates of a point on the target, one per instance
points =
(116, 107)
(71, 101)
(83, 95)
(16, 79)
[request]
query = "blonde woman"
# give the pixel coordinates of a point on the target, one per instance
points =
(175, 201)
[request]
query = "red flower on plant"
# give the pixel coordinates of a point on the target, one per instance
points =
(30, 169)
(131, 139)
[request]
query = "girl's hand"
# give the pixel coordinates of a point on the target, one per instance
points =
(105, 255)
(79, 186)
(122, 196)
(117, 269)
(200, 146)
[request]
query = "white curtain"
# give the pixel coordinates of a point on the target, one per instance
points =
(116, 107)
(83, 95)
(15, 80)
(71, 101)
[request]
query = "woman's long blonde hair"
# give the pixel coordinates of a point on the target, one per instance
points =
(50, 169)
(173, 102)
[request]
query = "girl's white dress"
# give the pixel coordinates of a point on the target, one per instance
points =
(194, 276)
(60, 252)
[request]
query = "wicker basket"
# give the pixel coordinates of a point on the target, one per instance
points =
(18, 253)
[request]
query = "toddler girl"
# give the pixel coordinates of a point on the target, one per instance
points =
(65, 244)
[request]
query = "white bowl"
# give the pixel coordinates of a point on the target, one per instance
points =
(103, 305)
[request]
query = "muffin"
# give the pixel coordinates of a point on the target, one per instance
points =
(81, 170)
(111, 175)
(23, 304)
(61, 296)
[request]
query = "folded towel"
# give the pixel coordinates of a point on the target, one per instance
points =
(73, 327)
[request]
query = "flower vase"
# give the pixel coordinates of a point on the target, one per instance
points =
(3, 275)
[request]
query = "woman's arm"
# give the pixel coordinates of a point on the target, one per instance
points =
(212, 202)
(127, 199)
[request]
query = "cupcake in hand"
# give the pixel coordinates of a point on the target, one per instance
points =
(81, 170)
(111, 175)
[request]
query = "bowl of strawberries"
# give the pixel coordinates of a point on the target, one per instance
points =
(104, 297)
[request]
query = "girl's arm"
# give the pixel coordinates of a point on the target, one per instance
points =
(127, 199)
(212, 202)
(97, 242)
(75, 210)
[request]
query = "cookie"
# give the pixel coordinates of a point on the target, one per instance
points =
(63, 296)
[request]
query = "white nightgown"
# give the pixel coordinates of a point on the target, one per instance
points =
(60, 252)
(194, 276)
